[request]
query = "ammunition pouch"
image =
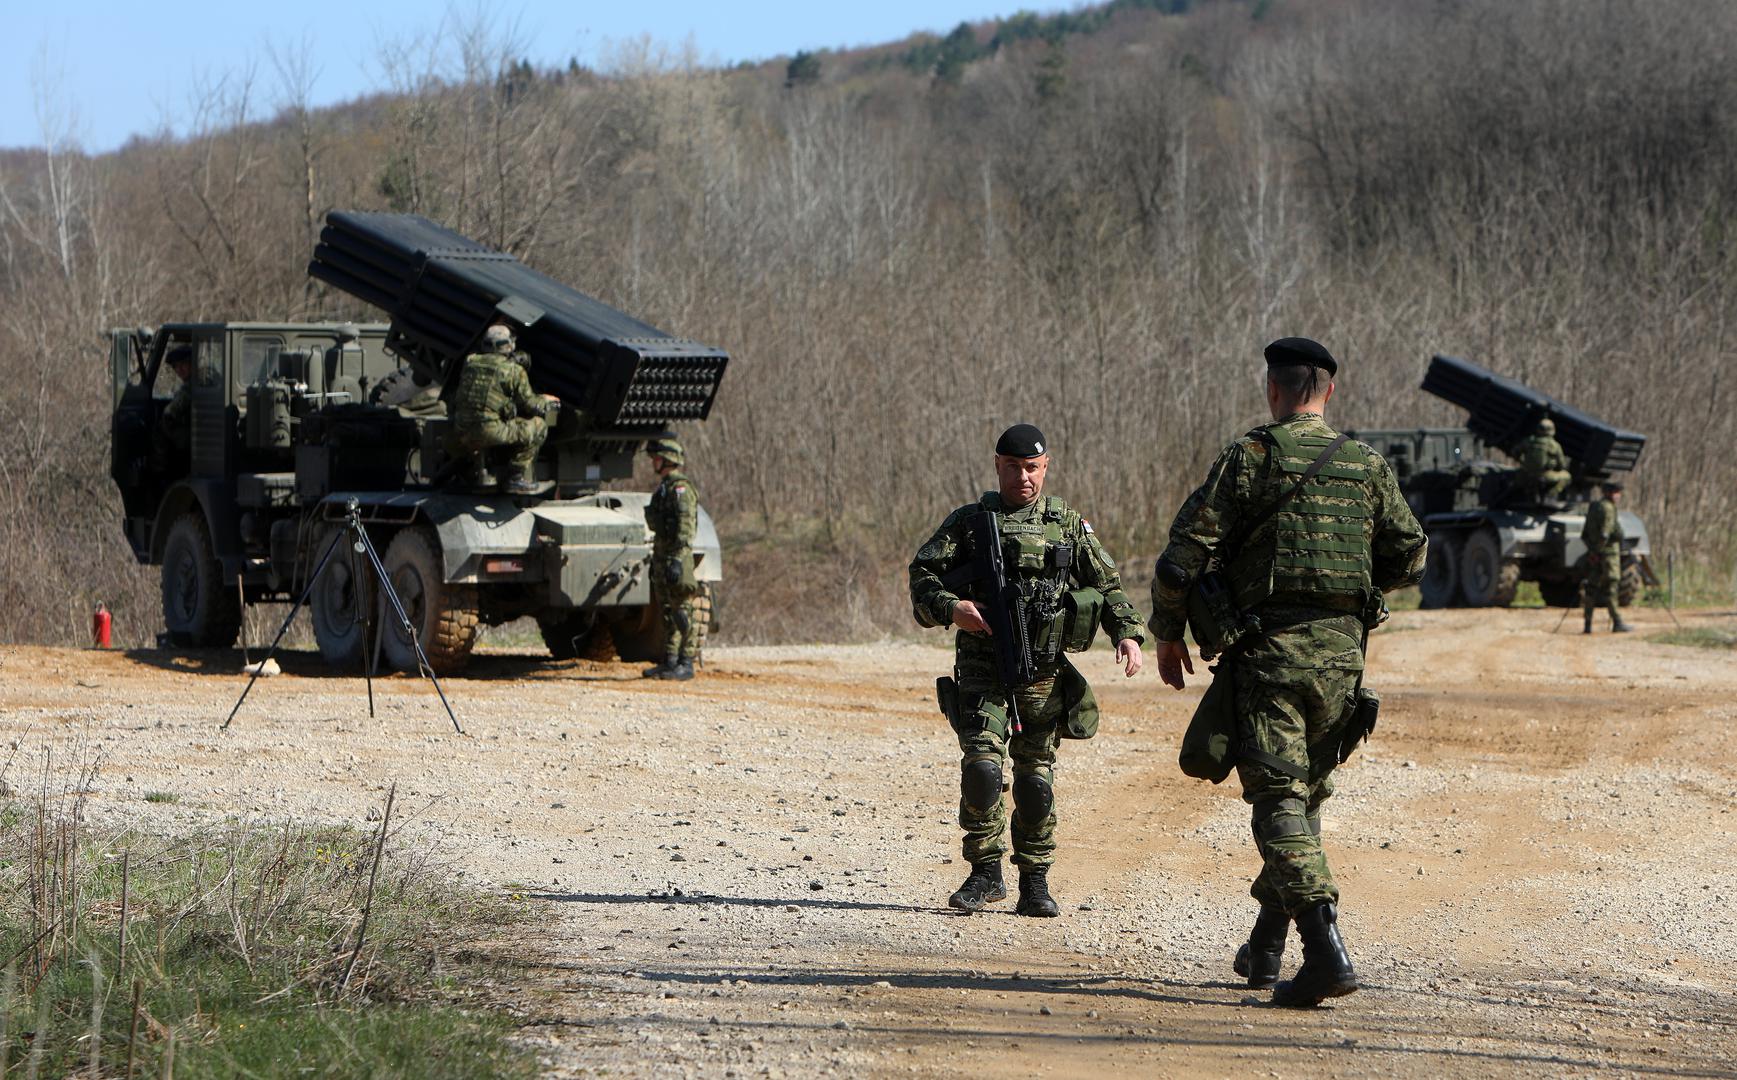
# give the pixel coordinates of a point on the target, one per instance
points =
(1209, 745)
(1357, 722)
(1218, 625)
(1081, 611)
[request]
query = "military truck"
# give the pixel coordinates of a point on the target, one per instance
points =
(291, 421)
(1488, 533)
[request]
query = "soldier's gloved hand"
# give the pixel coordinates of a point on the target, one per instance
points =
(672, 571)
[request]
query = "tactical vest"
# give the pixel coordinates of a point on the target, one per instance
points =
(480, 397)
(1316, 549)
(1040, 557)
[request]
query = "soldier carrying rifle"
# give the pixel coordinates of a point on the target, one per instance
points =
(1024, 580)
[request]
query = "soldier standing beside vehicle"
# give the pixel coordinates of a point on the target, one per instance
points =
(1046, 550)
(1306, 529)
(673, 514)
(1543, 465)
(1603, 536)
(495, 407)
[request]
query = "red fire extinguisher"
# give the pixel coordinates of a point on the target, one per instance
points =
(99, 626)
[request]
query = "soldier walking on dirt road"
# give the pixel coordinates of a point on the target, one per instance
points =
(1057, 585)
(1306, 529)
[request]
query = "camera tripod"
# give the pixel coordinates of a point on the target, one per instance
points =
(360, 544)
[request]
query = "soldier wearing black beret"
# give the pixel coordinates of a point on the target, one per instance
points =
(1067, 586)
(1301, 530)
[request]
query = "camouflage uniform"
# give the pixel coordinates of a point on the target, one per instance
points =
(496, 407)
(1058, 705)
(1543, 466)
(1309, 573)
(672, 515)
(1603, 536)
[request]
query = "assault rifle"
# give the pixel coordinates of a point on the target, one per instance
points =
(1001, 605)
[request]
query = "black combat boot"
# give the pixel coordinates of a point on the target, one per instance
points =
(658, 670)
(679, 670)
(984, 886)
(1588, 628)
(1258, 961)
(1034, 898)
(1326, 970)
(1617, 626)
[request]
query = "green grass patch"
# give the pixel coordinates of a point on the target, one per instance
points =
(1699, 637)
(245, 951)
(162, 797)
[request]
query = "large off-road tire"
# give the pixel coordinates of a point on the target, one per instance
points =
(200, 609)
(1628, 590)
(705, 614)
(637, 633)
(1440, 586)
(570, 634)
(1560, 592)
(444, 615)
(1486, 579)
(343, 602)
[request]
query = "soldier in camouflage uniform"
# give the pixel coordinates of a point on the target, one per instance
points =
(495, 407)
(1048, 549)
(1312, 573)
(673, 514)
(1543, 465)
(1603, 535)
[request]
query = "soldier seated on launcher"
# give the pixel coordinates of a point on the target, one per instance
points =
(1543, 465)
(497, 415)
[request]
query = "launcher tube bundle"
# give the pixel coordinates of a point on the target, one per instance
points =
(1502, 412)
(442, 290)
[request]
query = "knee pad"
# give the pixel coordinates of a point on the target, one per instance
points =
(980, 784)
(1280, 818)
(680, 617)
(1032, 797)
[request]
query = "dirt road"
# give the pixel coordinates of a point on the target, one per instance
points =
(744, 875)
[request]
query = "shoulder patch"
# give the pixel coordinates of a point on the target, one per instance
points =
(1086, 525)
(929, 551)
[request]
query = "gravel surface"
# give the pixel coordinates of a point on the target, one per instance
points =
(745, 875)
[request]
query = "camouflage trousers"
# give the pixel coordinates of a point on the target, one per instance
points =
(675, 605)
(1603, 583)
(521, 439)
(984, 735)
(1293, 713)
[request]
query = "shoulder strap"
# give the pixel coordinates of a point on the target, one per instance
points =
(1273, 507)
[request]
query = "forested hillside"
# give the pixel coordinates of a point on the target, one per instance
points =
(1092, 222)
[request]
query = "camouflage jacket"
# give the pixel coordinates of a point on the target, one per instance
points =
(1240, 484)
(1028, 535)
(672, 515)
(493, 389)
(1603, 529)
(1540, 454)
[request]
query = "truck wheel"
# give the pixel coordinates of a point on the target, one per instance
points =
(200, 609)
(568, 634)
(638, 634)
(444, 615)
(1441, 570)
(1560, 592)
(705, 614)
(1486, 579)
(342, 604)
(1628, 590)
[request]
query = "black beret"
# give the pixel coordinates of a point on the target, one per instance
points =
(1300, 350)
(1021, 440)
(1613, 484)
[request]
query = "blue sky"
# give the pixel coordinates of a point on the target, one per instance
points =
(116, 68)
